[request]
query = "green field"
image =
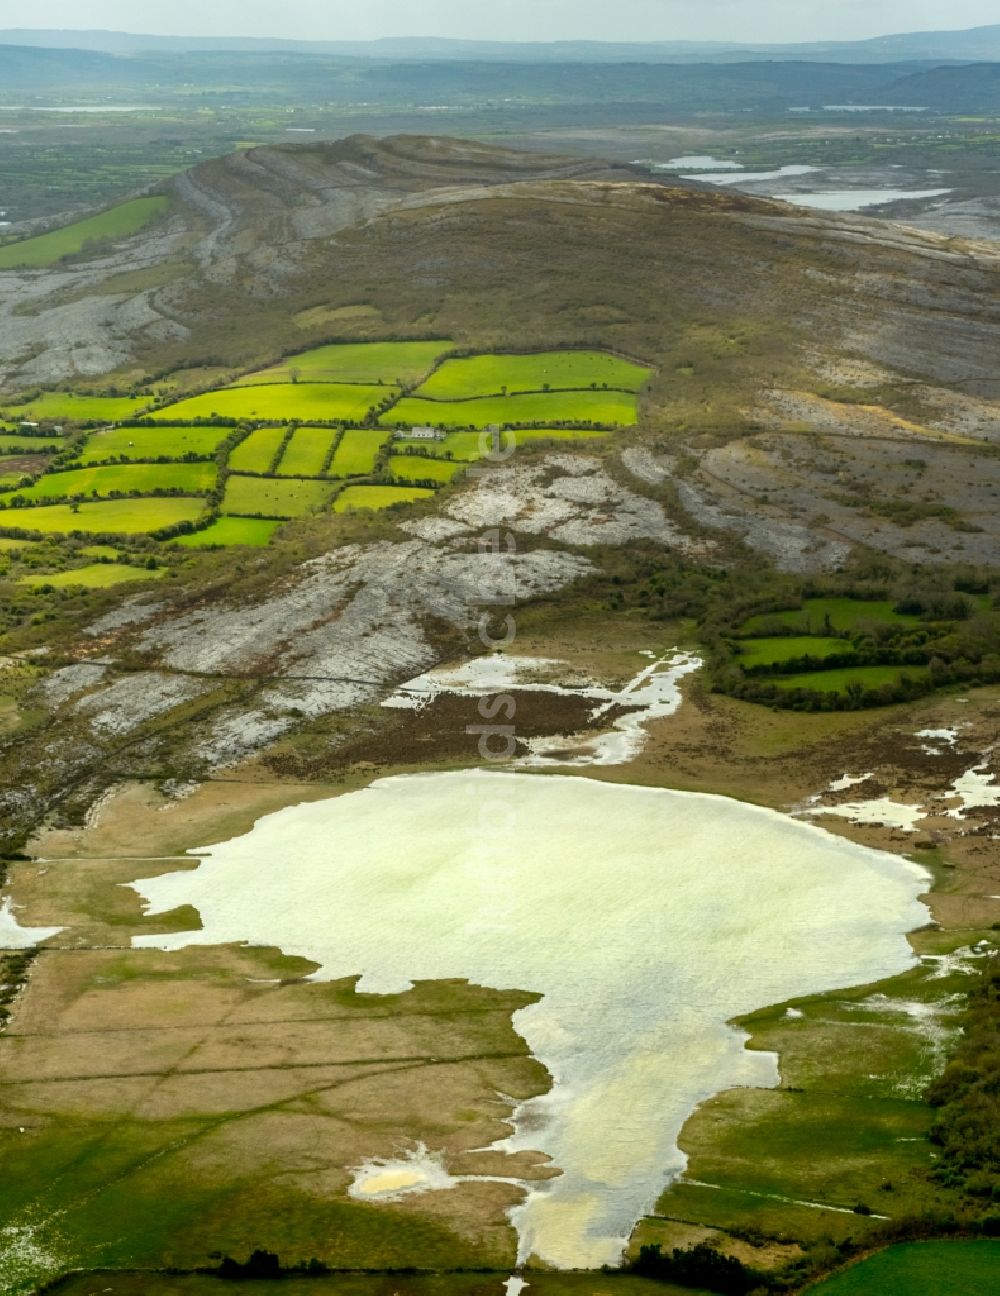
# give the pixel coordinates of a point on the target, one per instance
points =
(469, 446)
(106, 552)
(357, 453)
(281, 402)
(355, 362)
(14, 546)
(378, 497)
(418, 468)
(46, 249)
(609, 408)
(268, 497)
(126, 479)
(484, 375)
(843, 613)
(921, 1269)
(765, 652)
(252, 532)
(98, 576)
(150, 443)
(307, 452)
(258, 451)
(121, 517)
(29, 445)
(836, 681)
(70, 408)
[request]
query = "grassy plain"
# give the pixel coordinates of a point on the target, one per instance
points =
(258, 451)
(69, 407)
(282, 402)
(837, 681)
(843, 614)
(483, 375)
(439, 1284)
(355, 362)
(190, 478)
(357, 453)
(29, 445)
(151, 443)
(608, 408)
(766, 652)
(419, 468)
(269, 497)
(98, 576)
(46, 249)
(122, 517)
(251, 532)
(378, 497)
(307, 452)
(920, 1269)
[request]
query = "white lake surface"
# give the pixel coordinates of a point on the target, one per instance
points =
(849, 200)
(745, 177)
(699, 162)
(645, 918)
(14, 936)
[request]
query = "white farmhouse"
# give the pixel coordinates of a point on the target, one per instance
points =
(421, 434)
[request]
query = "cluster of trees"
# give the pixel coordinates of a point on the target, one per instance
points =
(698, 1266)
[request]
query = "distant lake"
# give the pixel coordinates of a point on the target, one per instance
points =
(849, 200)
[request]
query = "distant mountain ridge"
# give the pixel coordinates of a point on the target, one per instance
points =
(977, 44)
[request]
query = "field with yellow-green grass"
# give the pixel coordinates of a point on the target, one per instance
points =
(420, 468)
(138, 516)
(225, 531)
(307, 452)
(152, 443)
(354, 362)
(116, 223)
(483, 375)
(607, 408)
(96, 576)
(271, 497)
(357, 452)
(352, 498)
(281, 402)
(124, 479)
(70, 407)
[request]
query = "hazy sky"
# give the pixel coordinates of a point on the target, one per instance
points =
(744, 20)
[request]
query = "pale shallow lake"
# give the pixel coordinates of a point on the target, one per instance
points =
(646, 918)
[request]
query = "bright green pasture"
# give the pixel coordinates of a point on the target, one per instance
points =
(127, 479)
(107, 552)
(282, 402)
(269, 497)
(307, 452)
(98, 576)
(836, 681)
(418, 468)
(609, 408)
(843, 613)
(122, 517)
(487, 375)
(921, 1269)
(8, 545)
(355, 362)
(258, 451)
(358, 450)
(253, 532)
(765, 652)
(71, 408)
(47, 249)
(29, 445)
(150, 443)
(378, 497)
